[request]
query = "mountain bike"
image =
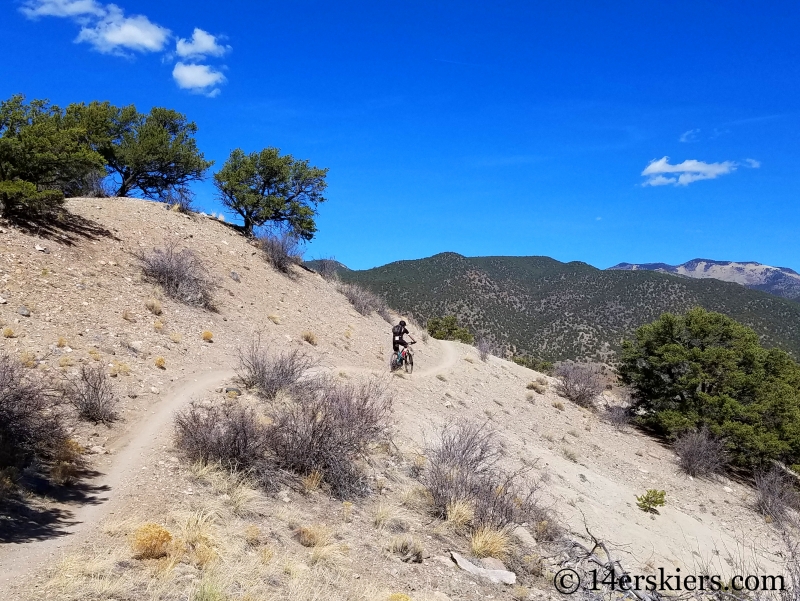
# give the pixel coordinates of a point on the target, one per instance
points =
(406, 359)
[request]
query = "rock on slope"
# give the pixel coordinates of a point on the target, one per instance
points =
(780, 281)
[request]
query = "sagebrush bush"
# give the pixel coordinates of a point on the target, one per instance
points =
(281, 250)
(485, 348)
(364, 301)
(30, 427)
(270, 374)
(180, 273)
(92, 395)
(230, 434)
(700, 453)
(580, 383)
(329, 429)
(619, 416)
(776, 493)
(447, 328)
(327, 268)
(463, 468)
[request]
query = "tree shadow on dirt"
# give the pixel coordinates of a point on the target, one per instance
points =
(25, 518)
(64, 227)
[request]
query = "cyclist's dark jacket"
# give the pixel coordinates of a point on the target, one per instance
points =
(397, 336)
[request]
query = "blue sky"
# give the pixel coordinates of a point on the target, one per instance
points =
(600, 132)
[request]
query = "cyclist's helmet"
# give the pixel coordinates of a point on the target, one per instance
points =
(402, 323)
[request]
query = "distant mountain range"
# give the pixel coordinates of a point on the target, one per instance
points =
(780, 281)
(551, 310)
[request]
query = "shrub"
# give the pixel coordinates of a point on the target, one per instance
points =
(485, 348)
(270, 375)
(652, 499)
(154, 306)
(619, 416)
(775, 493)
(179, 199)
(207, 336)
(579, 383)
(160, 363)
(327, 268)
(700, 453)
(310, 337)
(447, 328)
(30, 428)
(8, 333)
(151, 541)
(229, 433)
(463, 468)
(92, 395)
(281, 250)
(180, 273)
(364, 301)
(328, 430)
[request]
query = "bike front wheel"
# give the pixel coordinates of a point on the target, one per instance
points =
(409, 363)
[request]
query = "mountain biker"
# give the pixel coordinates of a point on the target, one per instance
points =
(398, 332)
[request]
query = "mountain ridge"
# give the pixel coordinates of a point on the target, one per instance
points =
(549, 309)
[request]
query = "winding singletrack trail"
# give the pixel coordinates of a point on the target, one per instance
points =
(17, 560)
(20, 559)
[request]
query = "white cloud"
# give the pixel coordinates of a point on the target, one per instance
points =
(198, 78)
(687, 172)
(689, 136)
(201, 44)
(116, 32)
(752, 163)
(62, 8)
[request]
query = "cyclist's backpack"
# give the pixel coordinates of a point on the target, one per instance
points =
(397, 331)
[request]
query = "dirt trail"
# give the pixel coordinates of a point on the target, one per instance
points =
(118, 475)
(17, 560)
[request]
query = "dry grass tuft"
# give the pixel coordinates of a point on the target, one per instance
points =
(490, 542)
(459, 514)
(154, 306)
(65, 361)
(310, 337)
(252, 535)
(62, 342)
(347, 511)
(28, 359)
(158, 326)
(316, 535)
(399, 597)
(558, 405)
(274, 319)
(128, 316)
(407, 547)
(8, 333)
(151, 541)
(119, 368)
(175, 337)
(311, 482)
(207, 336)
(160, 363)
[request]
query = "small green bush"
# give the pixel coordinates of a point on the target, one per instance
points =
(447, 328)
(650, 500)
(545, 367)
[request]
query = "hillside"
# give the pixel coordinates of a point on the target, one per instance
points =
(554, 310)
(780, 281)
(86, 304)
